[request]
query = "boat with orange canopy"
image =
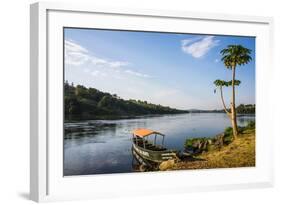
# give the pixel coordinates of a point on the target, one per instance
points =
(146, 145)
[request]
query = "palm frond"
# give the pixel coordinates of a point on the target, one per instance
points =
(235, 55)
(222, 83)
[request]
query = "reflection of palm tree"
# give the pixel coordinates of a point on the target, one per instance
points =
(233, 56)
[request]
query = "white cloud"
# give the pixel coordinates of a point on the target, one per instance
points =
(77, 56)
(137, 74)
(118, 64)
(87, 70)
(217, 60)
(185, 42)
(73, 47)
(97, 73)
(199, 46)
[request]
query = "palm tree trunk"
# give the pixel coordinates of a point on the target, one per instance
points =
(223, 103)
(233, 109)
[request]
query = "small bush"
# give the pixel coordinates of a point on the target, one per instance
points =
(228, 135)
(228, 131)
(188, 143)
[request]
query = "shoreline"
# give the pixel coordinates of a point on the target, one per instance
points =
(124, 117)
(239, 153)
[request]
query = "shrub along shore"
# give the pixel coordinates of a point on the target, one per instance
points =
(221, 151)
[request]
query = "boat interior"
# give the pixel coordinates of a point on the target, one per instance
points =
(147, 144)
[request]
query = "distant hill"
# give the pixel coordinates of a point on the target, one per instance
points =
(81, 103)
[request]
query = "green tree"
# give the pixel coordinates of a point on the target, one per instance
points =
(81, 91)
(81, 102)
(72, 106)
(105, 101)
(233, 56)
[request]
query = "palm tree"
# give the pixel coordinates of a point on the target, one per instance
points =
(233, 56)
(220, 84)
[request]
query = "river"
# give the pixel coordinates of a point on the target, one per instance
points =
(104, 146)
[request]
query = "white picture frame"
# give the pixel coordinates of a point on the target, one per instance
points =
(46, 179)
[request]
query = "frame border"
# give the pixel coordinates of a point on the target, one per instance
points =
(39, 162)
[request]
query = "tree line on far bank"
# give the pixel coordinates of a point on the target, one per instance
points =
(240, 109)
(81, 103)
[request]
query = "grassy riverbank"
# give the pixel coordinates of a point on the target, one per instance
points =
(239, 153)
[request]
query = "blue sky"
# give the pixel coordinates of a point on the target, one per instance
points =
(176, 70)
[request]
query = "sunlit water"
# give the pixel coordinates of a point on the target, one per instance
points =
(104, 146)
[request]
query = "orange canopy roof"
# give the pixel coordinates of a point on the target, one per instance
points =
(142, 132)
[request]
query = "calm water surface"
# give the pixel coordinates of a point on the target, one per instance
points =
(104, 146)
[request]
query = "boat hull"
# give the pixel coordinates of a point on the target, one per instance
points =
(155, 156)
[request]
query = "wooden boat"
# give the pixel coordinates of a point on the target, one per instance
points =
(148, 149)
